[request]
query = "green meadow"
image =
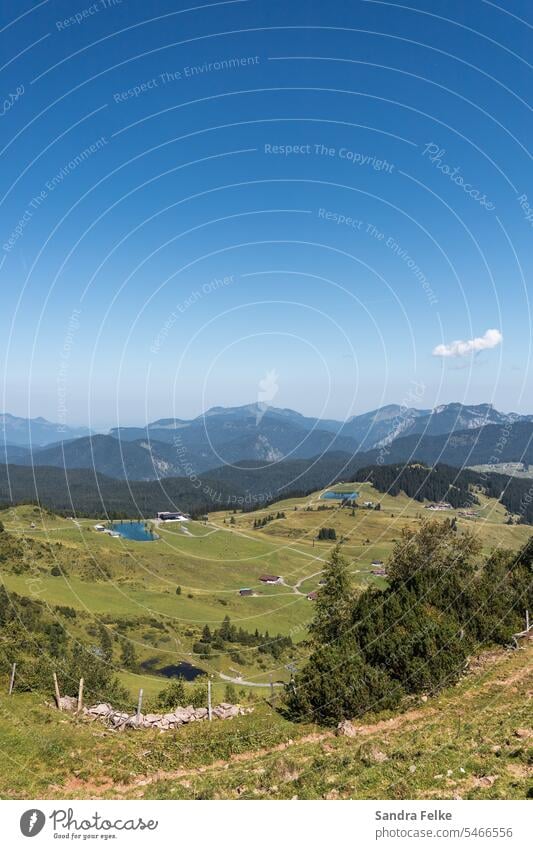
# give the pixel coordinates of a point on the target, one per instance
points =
(161, 594)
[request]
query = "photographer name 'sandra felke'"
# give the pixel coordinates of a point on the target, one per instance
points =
(415, 816)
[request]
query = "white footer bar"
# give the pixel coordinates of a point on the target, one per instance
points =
(265, 825)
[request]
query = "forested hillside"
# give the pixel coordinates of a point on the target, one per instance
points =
(456, 486)
(88, 493)
(441, 483)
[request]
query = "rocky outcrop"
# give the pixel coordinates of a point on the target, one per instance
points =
(346, 729)
(68, 703)
(120, 720)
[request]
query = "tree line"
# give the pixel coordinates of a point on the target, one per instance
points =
(219, 638)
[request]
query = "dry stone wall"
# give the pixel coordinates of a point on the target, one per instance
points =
(120, 720)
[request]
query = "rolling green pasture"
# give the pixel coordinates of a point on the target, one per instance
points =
(128, 582)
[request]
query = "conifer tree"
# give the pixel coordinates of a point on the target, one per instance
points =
(332, 610)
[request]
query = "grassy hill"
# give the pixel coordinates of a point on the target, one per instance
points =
(132, 587)
(470, 742)
(69, 579)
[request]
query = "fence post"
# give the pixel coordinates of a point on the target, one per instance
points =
(527, 620)
(80, 696)
(139, 706)
(56, 688)
(209, 709)
(12, 679)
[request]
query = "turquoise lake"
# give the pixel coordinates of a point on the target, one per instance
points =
(136, 531)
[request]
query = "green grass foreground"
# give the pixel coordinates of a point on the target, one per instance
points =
(471, 742)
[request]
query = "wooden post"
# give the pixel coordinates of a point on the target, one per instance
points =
(80, 696)
(56, 688)
(527, 620)
(12, 679)
(209, 709)
(139, 706)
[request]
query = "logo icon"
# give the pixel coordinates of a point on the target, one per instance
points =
(267, 390)
(32, 822)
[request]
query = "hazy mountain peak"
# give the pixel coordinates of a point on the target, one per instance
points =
(255, 408)
(19, 431)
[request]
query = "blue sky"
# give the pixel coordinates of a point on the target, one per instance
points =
(196, 198)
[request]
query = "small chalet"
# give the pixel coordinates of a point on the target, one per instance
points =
(312, 596)
(246, 591)
(270, 579)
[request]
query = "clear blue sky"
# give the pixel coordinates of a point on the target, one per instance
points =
(197, 201)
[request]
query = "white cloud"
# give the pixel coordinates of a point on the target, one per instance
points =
(461, 348)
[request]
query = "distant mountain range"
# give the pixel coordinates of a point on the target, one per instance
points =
(255, 436)
(16, 431)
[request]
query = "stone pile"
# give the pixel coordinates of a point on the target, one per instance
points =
(120, 720)
(345, 728)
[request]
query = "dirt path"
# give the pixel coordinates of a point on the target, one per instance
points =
(387, 725)
(121, 790)
(489, 662)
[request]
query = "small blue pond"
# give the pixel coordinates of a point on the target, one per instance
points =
(183, 669)
(333, 494)
(136, 531)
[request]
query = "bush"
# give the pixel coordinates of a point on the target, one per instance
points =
(172, 696)
(203, 649)
(337, 684)
(230, 694)
(198, 695)
(100, 683)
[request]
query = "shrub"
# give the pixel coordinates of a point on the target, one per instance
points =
(230, 694)
(198, 695)
(203, 649)
(337, 684)
(172, 696)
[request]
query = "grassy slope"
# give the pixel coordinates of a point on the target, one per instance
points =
(468, 743)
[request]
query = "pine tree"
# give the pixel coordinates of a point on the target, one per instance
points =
(226, 631)
(332, 610)
(128, 656)
(106, 645)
